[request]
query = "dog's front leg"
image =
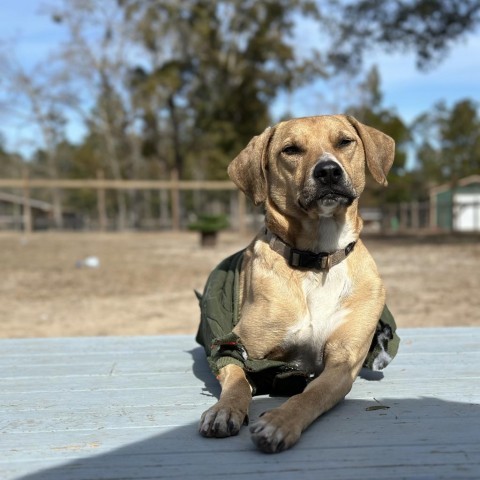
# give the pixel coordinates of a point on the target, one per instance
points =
(280, 428)
(227, 416)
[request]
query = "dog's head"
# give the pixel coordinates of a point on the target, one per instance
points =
(314, 165)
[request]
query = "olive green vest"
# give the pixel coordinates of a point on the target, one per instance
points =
(219, 307)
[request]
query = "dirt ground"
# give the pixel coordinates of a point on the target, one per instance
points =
(144, 282)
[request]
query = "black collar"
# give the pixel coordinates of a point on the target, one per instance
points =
(306, 259)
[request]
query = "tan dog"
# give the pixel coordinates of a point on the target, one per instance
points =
(318, 312)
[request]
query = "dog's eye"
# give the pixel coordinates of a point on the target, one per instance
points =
(344, 142)
(292, 150)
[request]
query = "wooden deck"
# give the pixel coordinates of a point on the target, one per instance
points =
(128, 408)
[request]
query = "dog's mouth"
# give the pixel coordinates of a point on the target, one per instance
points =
(332, 198)
(329, 198)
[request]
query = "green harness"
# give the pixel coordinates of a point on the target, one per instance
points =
(219, 313)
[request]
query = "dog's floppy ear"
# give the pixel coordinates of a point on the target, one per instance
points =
(247, 169)
(379, 150)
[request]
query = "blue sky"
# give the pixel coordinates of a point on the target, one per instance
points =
(407, 90)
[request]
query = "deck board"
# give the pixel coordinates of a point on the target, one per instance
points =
(127, 408)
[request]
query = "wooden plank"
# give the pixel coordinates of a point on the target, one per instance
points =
(413, 340)
(85, 391)
(101, 203)
(153, 365)
(117, 408)
(120, 184)
(27, 208)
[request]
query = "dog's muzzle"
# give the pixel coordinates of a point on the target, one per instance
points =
(328, 186)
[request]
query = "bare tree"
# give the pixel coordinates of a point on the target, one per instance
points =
(38, 101)
(95, 62)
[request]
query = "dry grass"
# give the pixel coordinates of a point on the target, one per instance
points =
(145, 282)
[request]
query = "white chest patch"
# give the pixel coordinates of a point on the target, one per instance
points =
(323, 293)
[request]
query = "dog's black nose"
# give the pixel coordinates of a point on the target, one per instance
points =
(328, 172)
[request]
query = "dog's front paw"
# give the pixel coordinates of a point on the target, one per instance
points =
(274, 431)
(222, 421)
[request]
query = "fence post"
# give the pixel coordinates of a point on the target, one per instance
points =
(403, 216)
(27, 208)
(175, 196)
(415, 209)
(101, 202)
(432, 213)
(164, 213)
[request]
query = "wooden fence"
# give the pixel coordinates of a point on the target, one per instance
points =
(413, 216)
(449, 216)
(101, 186)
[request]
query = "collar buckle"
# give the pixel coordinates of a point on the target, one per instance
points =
(306, 259)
